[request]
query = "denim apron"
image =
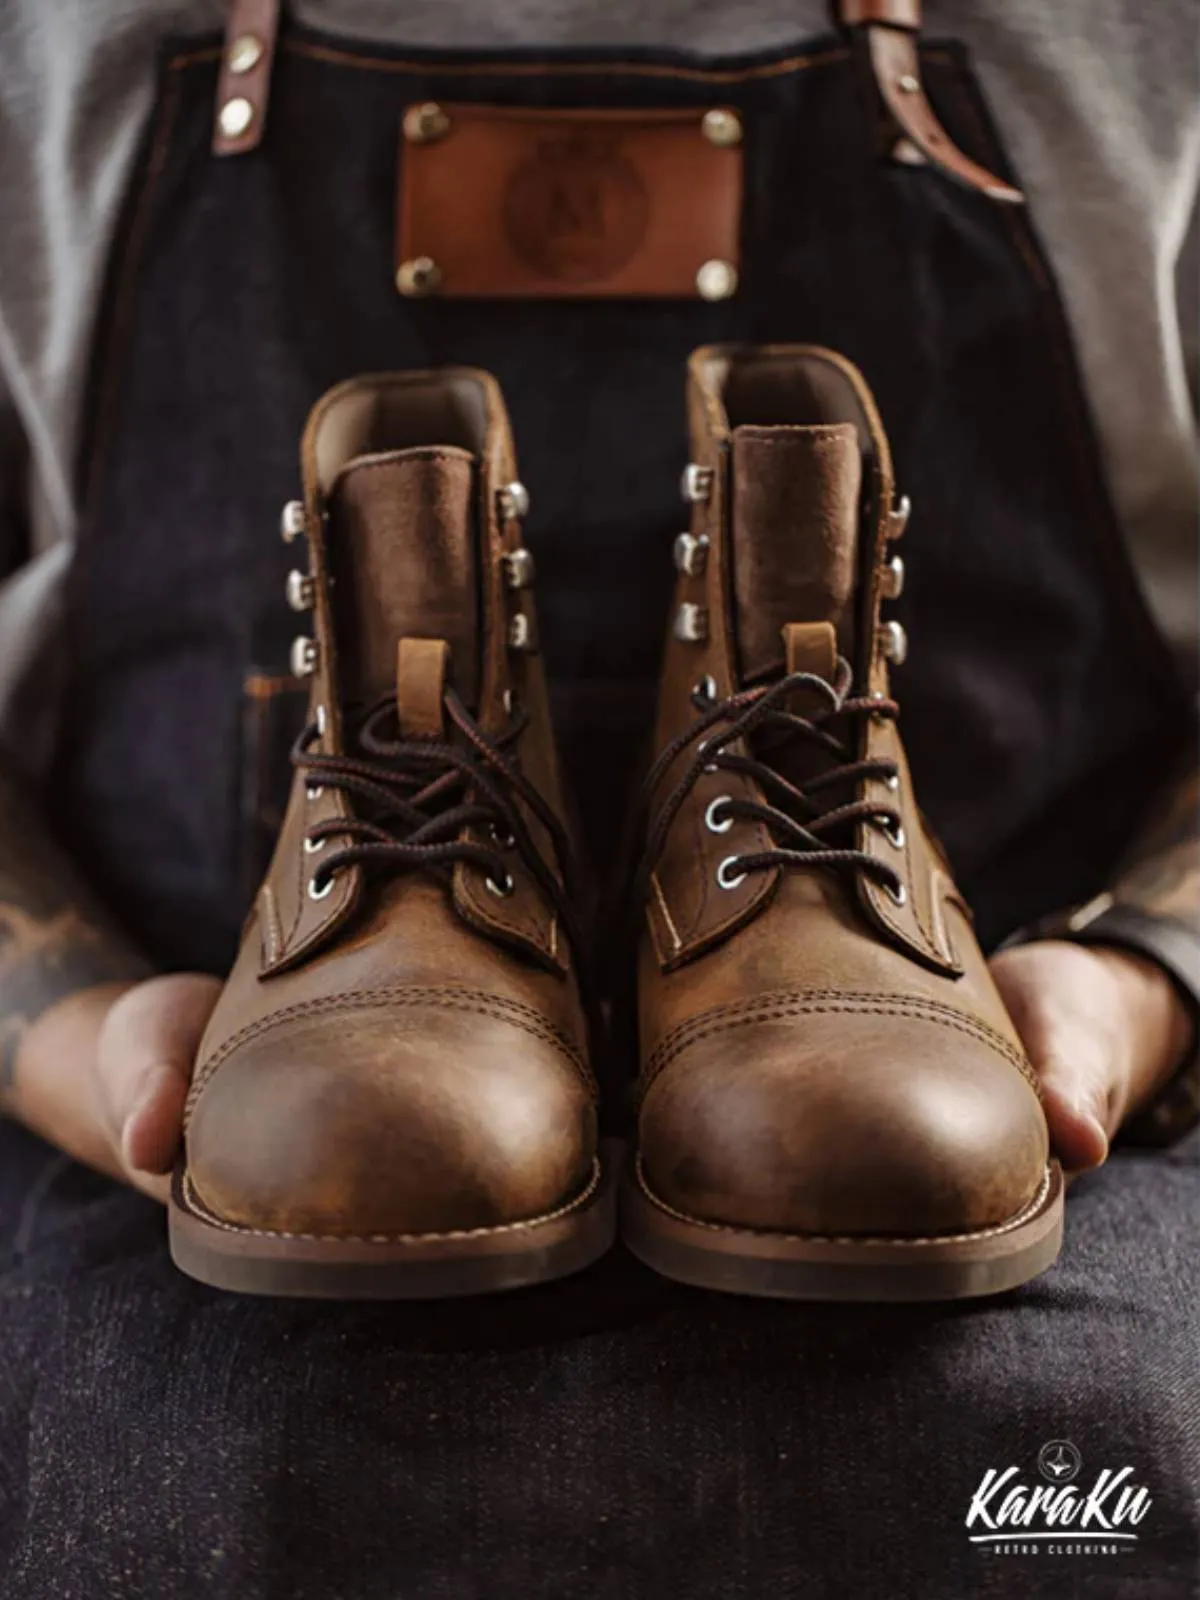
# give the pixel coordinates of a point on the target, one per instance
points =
(1037, 697)
(563, 1443)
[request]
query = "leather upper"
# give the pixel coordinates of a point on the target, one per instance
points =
(820, 1052)
(397, 1053)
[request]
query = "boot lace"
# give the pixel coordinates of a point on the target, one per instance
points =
(808, 821)
(416, 799)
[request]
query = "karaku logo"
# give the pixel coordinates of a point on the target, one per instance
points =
(1064, 1514)
(576, 210)
(1059, 1461)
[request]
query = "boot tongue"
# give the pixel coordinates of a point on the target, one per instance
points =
(402, 554)
(795, 537)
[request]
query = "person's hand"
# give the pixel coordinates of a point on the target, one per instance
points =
(1104, 1029)
(104, 1074)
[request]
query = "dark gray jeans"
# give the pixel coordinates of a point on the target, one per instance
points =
(610, 1436)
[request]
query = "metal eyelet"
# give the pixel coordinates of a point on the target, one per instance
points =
(894, 643)
(314, 791)
(706, 689)
(898, 517)
(893, 830)
(892, 782)
(519, 568)
(312, 846)
(898, 893)
(321, 722)
(892, 582)
(513, 501)
(709, 766)
(509, 702)
(299, 590)
(303, 657)
(691, 554)
(319, 894)
(502, 888)
(710, 819)
(696, 483)
(521, 635)
(691, 623)
(502, 838)
(724, 880)
(291, 521)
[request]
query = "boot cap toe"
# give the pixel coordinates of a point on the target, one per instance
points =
(390, 1120)
(837, 1124)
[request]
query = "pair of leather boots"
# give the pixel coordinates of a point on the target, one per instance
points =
(394, 1096)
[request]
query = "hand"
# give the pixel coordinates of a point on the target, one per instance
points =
(104, 1074)
(1104, 1029)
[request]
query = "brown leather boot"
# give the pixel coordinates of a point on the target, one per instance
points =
(834, 1103)
(393, 1097)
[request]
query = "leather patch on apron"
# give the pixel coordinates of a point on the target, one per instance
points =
(513, 201)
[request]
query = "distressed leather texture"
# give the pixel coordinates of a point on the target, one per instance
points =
(786, 475)
(399, 1057)
(815, 1057)
(521, 201)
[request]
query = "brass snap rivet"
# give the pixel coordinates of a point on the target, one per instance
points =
(244, 53)
(721, 127)
(235, 117)
(717, 280)
(420, 276)
(425, 123)
(908, 83)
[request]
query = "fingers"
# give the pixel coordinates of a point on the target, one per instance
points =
(55, 1092)
(1067, 1025)
(144, 1060)
(1074, 1114)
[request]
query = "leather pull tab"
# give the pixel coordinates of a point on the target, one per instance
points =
(890, 28)
(244, 81)
(811, 647)
(421, 666)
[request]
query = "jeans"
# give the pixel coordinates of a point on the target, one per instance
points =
(609, 1436)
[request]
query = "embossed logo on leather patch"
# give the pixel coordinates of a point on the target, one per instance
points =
(577, 209)
(501, 201)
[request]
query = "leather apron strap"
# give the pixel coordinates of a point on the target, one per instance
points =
(889, 30)
(244, 82)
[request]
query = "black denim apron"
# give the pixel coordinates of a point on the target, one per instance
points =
(1037, 696)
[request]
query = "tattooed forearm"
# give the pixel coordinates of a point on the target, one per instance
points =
(1162, 876)
(54, 939)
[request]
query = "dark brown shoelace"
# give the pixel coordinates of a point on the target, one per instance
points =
(807, 822)
(417, 799)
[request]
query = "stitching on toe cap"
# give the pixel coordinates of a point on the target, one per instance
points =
(498, 1007)
(781, 1006)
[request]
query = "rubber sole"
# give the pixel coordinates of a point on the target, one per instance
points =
(393, 1267)
(790, 1266)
